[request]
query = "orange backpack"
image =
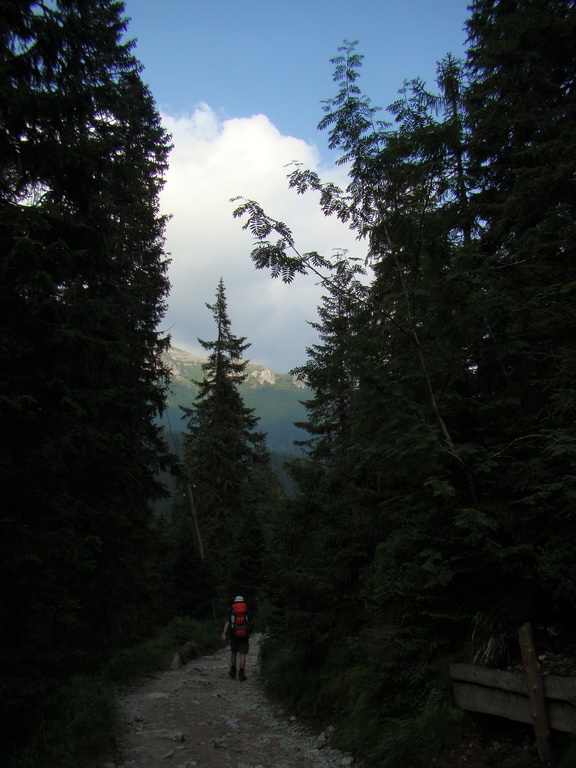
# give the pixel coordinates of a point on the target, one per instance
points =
(239, 623)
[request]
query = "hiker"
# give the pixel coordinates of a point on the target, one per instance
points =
(239, 622)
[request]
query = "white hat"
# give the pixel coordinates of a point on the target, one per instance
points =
(238, 599)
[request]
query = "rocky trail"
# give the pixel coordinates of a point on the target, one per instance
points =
(196, 716)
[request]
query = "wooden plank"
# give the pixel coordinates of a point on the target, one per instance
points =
(535, 693)
(492, 701)
(561, 716)
(493, 678)
(562, 688)
(513, 706)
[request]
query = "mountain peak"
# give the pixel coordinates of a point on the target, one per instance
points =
(262, 376)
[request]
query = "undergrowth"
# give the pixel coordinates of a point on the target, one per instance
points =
(75, 720)
(377, 725)
(187, 636)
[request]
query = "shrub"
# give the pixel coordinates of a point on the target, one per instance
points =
(184, 635)
(78, 722)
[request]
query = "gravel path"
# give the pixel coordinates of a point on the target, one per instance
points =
(198, 717)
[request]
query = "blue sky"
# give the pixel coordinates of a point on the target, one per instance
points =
(239, 87)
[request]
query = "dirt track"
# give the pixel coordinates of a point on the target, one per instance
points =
(198, 717)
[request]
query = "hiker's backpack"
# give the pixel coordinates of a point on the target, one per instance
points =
(239, 622)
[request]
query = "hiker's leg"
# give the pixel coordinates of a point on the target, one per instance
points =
(233, 652)
(242, 650)
(242, 662)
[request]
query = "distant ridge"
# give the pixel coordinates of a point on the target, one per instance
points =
(182, 362)
(276, 398)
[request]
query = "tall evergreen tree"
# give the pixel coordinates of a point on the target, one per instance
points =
(389, 468)
(445, 428)
(521, 106)
(82, 290)
(222, 453)
(460, 443)
(324, 537)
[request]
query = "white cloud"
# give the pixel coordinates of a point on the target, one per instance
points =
(212, 161)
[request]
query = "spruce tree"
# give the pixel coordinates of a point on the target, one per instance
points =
(459, 447)
(325, 536)
(521, 105)
(82, 291)
(394, 485)
(222, 454)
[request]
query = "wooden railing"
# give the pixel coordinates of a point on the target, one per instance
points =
(544, 701)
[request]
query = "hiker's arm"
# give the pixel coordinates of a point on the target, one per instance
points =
(226, 625)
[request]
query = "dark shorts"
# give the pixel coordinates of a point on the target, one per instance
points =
(239, 645)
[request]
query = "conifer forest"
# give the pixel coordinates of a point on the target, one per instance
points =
(434, 502)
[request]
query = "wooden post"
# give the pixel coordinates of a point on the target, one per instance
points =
(535, 693)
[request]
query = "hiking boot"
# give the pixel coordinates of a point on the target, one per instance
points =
(232, 672)
(241, 675)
